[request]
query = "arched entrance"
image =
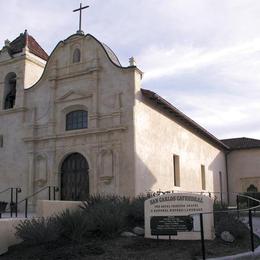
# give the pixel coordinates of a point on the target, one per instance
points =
(74, 178)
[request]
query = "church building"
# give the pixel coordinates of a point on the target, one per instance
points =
(77, 119)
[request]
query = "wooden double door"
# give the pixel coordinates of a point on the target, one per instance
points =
(74, 178)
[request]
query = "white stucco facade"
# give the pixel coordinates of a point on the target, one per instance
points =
(244, 170)
(157, 138)
(129, 142)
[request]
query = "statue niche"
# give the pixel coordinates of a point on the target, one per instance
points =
(106, 166)
(40, 179)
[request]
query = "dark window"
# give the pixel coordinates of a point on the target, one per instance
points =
(252, 188)
(10, 91)
(76, 56)
(1, 141)
(203, 177)
(176, 170)
(77, 120)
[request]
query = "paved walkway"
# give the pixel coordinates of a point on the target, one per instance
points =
(19, 215)
(256, 224)
(246, 255)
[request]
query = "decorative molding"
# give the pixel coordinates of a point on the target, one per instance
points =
(77, 96)
(75, 74)
(76, 133)
(116, 113)
(41, 126)
(106, 179)
(13, 110)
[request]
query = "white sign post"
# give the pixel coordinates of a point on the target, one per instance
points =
(177, 215)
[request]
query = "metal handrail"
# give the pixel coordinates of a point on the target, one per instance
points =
(5, 190)
(55, 189)
(228, 211)
(32, 195)
(12, 200)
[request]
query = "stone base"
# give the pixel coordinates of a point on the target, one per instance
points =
(48, 208)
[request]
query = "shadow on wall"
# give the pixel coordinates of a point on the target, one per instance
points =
(218, 170)
(145, 179)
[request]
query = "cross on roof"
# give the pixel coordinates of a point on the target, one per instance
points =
(80, 13)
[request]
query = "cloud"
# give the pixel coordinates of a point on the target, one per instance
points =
(203, 55)
(181, 59)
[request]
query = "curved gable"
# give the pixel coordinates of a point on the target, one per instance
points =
(61, 56)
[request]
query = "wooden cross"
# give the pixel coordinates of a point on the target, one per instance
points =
(80, 11)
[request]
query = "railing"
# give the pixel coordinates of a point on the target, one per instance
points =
(13, 202)
(13, 206)
(50, 188)
(238, 211)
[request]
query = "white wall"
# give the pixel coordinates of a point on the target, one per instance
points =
(157, 139)
(243, 170)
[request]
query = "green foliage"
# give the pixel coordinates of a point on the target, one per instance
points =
(100, 215)
(228, 222)
(107, 215)
(136, 210)
(218, 206)
(99, 198)
(73, 225)
(249, 203)
(38, 231)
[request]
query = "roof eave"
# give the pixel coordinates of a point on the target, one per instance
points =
(182, 117)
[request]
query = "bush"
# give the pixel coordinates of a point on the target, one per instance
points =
(106, 214)
(101, 215)
(218, 206)
(228, 222)
(73, 225)
(136, 211)
(249, 203)
(38, 231)
(99, 198)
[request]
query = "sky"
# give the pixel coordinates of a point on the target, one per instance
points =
(203, 56)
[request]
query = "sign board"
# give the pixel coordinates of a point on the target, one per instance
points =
(170, 225)
(177, 214)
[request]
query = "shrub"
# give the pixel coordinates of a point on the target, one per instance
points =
(249, 203)
(106, 214)
(218, 206)
(100, 198)
(73, 225)
(228, 222)
(38, 231)
(136, 211)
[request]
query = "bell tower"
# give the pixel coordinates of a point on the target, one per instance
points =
(22, 62)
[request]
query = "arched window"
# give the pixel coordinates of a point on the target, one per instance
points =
(10, 90)
(77, 120)
(252, 188)
(76, 56)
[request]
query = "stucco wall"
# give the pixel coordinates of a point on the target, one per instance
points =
(38, 139)
(13, 156)
(50, 208)
(243, 170)
(157, 139)
(34, 67)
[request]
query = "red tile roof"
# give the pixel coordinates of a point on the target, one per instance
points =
(24, 39)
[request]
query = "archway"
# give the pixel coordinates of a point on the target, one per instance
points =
(9, 90)
(74, 178)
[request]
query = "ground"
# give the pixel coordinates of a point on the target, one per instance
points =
(126, 248)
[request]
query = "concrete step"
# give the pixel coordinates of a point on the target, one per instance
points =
(7, 215)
